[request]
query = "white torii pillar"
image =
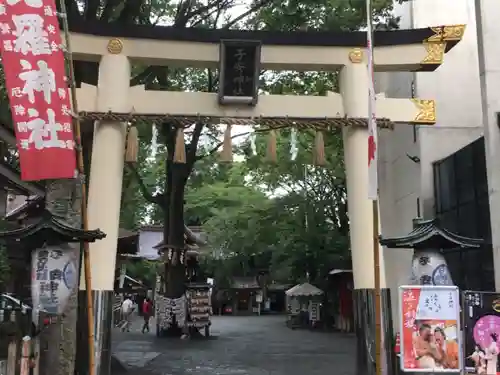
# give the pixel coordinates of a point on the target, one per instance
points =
(354, 90)
(105, 188)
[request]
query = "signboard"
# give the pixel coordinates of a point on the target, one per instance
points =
(481, 312)
(34, 67)
(430, 328)
(239, 72)
(54, 276)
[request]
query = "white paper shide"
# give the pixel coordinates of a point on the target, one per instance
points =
(54, 277)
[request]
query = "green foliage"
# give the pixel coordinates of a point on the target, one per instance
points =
(289, 217)
(144, 271)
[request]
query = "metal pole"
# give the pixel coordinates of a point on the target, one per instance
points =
(81, 172)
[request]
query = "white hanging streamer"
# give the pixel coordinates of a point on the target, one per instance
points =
(253, 145)
(294, 150)
(154, 142)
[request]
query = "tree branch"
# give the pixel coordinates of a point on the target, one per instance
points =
(154, 199)
(242, 16)
(193, 145)
(109, 9)
(183, 19)
(142, 76)
(91, 9)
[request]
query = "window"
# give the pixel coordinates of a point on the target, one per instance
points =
(464, 175)
(462, 206)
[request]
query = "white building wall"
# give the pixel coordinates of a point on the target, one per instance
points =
(455, 87)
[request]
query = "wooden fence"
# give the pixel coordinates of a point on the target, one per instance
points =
(17, 356)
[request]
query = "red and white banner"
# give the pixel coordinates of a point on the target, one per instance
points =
(34, 67)
(372, 119)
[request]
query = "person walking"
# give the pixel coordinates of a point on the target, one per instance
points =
(147, 312)
(127, 309)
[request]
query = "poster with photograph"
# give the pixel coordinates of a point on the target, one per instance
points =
(481, 331)
(430, 328)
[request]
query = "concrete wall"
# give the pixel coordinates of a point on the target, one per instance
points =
(455, 87)
(489, 75)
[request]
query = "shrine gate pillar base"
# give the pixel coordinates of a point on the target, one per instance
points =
(105, 188)
(354, 88)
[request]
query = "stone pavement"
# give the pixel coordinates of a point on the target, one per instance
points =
(254, 345)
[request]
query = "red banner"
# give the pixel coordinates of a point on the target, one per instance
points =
(409, 303)
(34, 67)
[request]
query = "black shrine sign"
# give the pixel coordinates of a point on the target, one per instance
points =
(239, 71)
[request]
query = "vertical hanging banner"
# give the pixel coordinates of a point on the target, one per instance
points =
(35, 78)
(430, 329)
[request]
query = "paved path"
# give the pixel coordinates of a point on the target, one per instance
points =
(241, 346)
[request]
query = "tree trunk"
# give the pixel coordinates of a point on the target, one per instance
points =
(173, 211)
(58, 341)
(176, 276)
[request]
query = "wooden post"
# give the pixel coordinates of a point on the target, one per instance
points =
(378, 302)
(12, 357)
(25, 355)
(81, 174)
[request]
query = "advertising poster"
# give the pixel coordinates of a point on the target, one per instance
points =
(481, 331)
(430, 329)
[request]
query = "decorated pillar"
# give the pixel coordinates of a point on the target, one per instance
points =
(105, 189)
(354, 90)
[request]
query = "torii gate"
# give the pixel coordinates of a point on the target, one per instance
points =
(114, 49)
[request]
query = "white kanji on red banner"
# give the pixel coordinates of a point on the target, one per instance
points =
(30, 35)
(34, 69)
(42, 80)
(30, 3)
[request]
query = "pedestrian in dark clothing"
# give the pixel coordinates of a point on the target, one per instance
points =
(147, 312)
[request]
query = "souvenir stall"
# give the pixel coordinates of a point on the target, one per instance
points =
(303, 306)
